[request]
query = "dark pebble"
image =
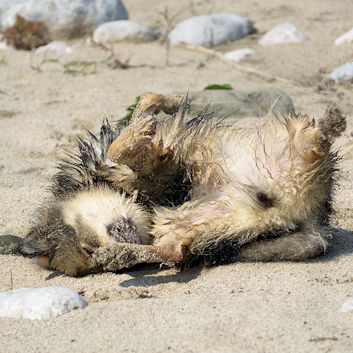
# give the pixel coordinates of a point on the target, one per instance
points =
(10, 244)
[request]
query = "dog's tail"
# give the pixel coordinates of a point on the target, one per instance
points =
(87, 165)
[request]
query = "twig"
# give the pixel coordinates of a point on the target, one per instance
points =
(11, 280)
(168, 23)
(44, 60)
(246, 70)
(113, 61)
(80, 67)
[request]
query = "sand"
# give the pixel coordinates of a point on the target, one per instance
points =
(254, 307)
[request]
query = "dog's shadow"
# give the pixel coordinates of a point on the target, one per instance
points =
(146, 277)
(340, 244)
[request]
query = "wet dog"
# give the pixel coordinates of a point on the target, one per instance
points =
(167, 189)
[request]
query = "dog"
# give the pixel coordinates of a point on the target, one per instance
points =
(169, 190)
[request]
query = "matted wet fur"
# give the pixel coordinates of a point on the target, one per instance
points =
(166, 189)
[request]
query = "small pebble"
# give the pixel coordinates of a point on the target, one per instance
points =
(9, 244)
(282, 34)
(345, 38)
(342, 73)
(237, 55)
(39, 303)
(347, 305)
(3, 44)
(56, 46)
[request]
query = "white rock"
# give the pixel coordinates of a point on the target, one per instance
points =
(116, 31)
(342, 73)
(281, 34)
(347, 305)
(64, 18)
(211, 30)
(237, 55)
(6, 4)
(3, 44)
(56, 46)
(345, 38)
(39, 303)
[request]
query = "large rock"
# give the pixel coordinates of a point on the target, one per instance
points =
(39, 303)
(211, 30)
(116, 31)
(282, 34)
(64, 18)
(342, 73)
(239, 104)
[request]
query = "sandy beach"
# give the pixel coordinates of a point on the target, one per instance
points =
(241, 307)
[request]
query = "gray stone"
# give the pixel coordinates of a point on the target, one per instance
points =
(10, 244)
(64, 18)
(39, 303)
(238, 104)
(342, 73)
(211, 30)
(282, 34)
(116, 31)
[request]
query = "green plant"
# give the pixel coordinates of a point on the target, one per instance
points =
(215, 86)
(124, 121)
(80, 67)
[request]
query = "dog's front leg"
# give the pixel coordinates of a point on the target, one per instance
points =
(115, 257)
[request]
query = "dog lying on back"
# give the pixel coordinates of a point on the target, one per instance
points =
(166, 190)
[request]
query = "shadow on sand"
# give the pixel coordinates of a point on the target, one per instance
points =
(340, 244)
(147, 277)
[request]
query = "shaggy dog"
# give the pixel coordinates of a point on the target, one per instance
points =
(168, 190)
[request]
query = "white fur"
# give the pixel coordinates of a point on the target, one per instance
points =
(98, 208)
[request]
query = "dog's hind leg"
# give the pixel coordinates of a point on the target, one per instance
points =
(297, 246)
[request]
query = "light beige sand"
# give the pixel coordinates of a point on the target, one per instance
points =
(276, 307)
